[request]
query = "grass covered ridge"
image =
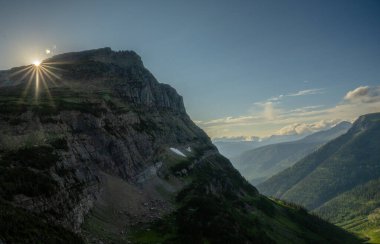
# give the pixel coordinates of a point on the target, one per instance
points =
(219, 206)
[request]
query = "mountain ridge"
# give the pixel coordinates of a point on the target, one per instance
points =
(232, 149)
(339, 181)
(342, 146)
(259, 164)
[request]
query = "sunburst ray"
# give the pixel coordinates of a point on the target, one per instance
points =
(28, 84)
(20, 71)
(43, 82)
(42, 75)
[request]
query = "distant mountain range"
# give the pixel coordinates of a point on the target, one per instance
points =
(339, 181)
(259, 164)
(231, 149)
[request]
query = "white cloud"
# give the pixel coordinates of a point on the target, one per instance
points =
(360, 91)
(296, 94)
(229, 120)
(236, 138)
(267, 119)
(305, 109)
(305, 128)
(269, 112)
(364, 94)
(275, 99)
(306, 92)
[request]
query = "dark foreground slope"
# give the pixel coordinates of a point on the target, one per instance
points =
(259, 164)
(103, 152)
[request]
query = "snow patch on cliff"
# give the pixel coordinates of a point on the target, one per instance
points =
(178, 152)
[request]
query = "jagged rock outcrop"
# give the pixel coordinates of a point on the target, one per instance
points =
(124, 73)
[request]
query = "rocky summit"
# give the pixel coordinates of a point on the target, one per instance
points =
(94, 149)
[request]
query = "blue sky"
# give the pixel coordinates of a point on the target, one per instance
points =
(227, 58)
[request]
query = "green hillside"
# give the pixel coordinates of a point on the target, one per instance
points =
(210, 211)
(340, 181)
(342, 164)
(357, 210)
(259, 164)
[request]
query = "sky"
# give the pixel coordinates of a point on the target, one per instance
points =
(244, 67)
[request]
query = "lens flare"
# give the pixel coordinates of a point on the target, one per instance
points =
(42, 74)
(37, 63)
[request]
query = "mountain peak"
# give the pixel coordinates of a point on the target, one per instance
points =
(329, 134)
(365, 121)
(103, 55)
(343, 124)
(121, 73)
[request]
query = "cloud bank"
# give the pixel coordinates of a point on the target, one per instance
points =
(266, 119)
(363, 94)
(306, 128)
(296, 94)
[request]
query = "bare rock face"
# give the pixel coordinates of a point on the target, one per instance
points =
(124, 72)
(102, 55)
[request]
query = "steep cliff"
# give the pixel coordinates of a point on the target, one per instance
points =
(92, 144)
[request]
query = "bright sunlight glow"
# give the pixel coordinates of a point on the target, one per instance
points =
(42, 73)
(37, 63)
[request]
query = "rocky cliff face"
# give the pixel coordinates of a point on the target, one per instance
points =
(124, 73)
(110, 113)
(104, 150)
(103, 116)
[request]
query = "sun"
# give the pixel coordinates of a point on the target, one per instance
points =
(37, 63)
(42, 73)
